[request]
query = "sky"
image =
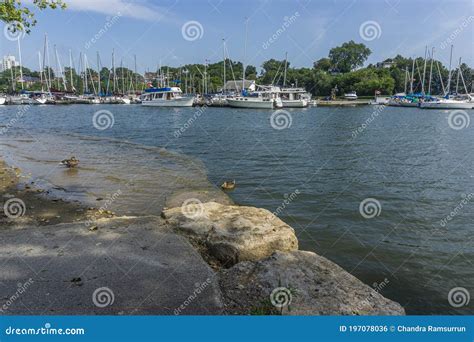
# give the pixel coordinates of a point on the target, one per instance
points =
(178, 32)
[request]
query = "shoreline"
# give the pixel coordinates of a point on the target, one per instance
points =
(269, 260)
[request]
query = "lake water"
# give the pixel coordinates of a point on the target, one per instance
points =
(408, 164)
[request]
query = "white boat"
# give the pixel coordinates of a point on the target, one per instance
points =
(126, 100)
(380, 100)
(447, 104)
(294, 97)
(3, 99)
(219, 100)
(266, 98)
(166, 97)
(351, 96)
(41, 100)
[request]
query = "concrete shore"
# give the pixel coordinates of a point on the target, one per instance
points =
(200, 258)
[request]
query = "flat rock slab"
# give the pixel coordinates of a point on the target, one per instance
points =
(300, 283)
(125, 266)
(232, 233)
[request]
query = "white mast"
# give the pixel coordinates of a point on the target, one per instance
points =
(223, 54)
(21, 67)
(424, 72)
(412, 75)
(245, 54)
(449, 75)
(40, 71)
(286, 62)
(431, 69)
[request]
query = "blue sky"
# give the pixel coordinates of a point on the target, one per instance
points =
(153, 30)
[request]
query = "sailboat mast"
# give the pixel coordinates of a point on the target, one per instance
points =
(245, 54)
(70, 70)
(98, 75)
(412, 75)
(431, 69)
(21, 66)
(406, 79)
(457, 76)
(286, 65)
(449, 74)
(424, 72)
(223, 56)
(40, 70)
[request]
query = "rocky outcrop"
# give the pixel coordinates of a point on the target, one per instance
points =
(300, 283)
(232, 233)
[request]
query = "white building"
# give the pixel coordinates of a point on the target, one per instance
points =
(8, 62)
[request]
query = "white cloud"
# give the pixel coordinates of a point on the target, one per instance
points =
(127, 8)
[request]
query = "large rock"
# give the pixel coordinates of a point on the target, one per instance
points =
(232, 233)
(300, 283)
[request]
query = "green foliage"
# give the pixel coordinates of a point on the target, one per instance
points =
(348, 56)
(15, 11)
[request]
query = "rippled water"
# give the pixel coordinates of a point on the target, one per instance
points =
(409, 161)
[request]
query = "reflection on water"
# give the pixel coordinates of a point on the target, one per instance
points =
(409, 160)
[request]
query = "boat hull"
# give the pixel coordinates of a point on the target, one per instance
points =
(2, 100)
(250, 103)
(179, 102)
(448, 105)
(294, 103)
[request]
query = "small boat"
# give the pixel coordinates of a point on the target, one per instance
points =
(351, 96)
(166, 97)
(380, 100)
(3, 99)
(294, 97)
(267, 98)
(228, 185)
(71, 162)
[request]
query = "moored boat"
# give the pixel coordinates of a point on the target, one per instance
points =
(166, 97)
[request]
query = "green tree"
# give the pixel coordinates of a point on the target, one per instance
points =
(348, 56)
(14, 11)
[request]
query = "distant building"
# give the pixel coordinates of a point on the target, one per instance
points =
(9, 62)
(388, 63)
(28, 80)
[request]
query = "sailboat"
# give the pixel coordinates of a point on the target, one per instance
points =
(259, 97)
(293, 97)
(448, 101)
